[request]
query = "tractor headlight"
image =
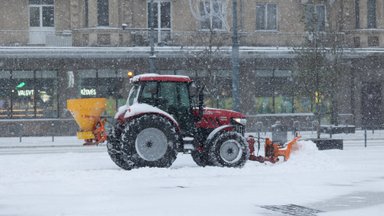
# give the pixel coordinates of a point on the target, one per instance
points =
(242, 121)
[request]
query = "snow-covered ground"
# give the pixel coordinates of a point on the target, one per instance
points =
(40, 177)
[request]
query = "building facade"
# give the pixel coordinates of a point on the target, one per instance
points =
(54, 50)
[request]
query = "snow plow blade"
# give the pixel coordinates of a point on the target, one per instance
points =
(272, 150)
(87, 114)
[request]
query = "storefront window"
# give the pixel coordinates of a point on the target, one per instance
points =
(88, 83)
(23, 94)
(5, 97)
(283, 104)
(302, 104)
(46, 94)
(105, 83)
(28, 94)
(271, 92)
(264, 105)
(109, 87)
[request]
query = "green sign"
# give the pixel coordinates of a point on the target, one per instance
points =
(20, 85)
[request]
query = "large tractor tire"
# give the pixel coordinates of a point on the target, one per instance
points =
(200, 158)
(229, 149)
(114, 146)
(149, 141)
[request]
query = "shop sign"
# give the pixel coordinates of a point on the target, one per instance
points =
(25, 92)
(88, 92)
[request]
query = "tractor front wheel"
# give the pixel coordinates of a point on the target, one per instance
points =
(200, 158)
(230, 149)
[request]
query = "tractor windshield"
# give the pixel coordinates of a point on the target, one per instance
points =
(133, 95)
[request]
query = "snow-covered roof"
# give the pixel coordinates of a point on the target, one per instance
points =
(157, 77)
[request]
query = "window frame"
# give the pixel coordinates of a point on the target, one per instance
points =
(315, 26)
(371, 17)
(357, 14)
(211, 17)
(103, 18)
(41, 6)
(265, 18)
(158, 19)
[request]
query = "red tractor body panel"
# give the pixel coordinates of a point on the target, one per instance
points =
(213, 118)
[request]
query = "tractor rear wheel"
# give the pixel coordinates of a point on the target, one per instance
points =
(149, 140)
(114, 146)
(229, 149)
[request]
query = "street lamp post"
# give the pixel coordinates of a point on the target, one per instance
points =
(152, 56)
(235, 60)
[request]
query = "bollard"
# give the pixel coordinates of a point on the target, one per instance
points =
(365, 138)
(259, 127)
(53, 134)
(21, 133)
(296, 128)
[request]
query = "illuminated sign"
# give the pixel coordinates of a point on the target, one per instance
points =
(20, 85)
(88, 92)
(25, 92)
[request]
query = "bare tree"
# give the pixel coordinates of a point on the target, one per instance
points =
(214, 35)
(319, 63)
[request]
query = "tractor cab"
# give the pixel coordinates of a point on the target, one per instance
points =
(168, 93)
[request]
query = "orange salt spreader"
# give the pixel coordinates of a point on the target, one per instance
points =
(87, 113)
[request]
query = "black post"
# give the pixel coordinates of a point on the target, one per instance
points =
(151, 39)
(235, 60)
(53, 131)
(365, 138)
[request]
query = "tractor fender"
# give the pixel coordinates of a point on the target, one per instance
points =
(172, 120)
(218, 131)
(137, 110)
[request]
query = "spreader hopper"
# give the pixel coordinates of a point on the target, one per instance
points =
(87, 113)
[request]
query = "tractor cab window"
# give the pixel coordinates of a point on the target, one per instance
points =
(194, 93)
(133, 94)
(149, 93)
(174, 99)
(184, 95)
(173, 95)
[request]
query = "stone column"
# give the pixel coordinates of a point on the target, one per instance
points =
(75, 14)
(114, 13)
(92, 13)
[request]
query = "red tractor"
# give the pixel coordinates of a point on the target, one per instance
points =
(165, 115)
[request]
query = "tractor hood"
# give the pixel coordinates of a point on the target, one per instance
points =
(216, 117)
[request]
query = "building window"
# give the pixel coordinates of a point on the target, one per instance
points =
(41, 13)
(213, 15)
(161, 19)
(357, 14)
(28, 94)
(103, 12)
(371, 13)
(266, 17)
(315, 17)
(86, 13)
